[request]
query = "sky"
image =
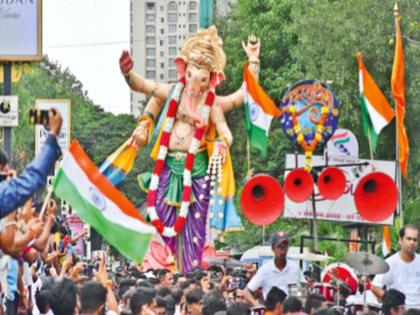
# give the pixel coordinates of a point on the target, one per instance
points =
(88, 36)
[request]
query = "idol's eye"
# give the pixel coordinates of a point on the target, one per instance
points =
(204, 80)
(189, 74)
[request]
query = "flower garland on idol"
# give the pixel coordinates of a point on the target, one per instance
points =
(189, 163)
(308, 149)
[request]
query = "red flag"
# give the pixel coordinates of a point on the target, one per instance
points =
(398, 91)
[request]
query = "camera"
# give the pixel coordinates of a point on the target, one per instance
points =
(38, 116)
(236, 283)
(88, 271)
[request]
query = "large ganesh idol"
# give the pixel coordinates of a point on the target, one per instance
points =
(193, 130)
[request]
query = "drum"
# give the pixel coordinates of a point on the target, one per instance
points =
(299, 290)
(342, 274)
(325, 289)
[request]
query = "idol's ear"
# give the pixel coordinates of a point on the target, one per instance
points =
(216, 79)
(181, 66)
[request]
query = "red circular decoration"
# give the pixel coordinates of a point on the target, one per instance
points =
(332, 183)
(376, 197)
(299, 185)
(262, 200)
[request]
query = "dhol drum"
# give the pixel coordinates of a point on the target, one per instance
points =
(327, 290)
(299, 290)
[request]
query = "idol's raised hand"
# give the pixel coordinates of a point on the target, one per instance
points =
(126, 62)
(252, 47)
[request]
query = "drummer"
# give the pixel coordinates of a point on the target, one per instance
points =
(277, 273)
(404, 269)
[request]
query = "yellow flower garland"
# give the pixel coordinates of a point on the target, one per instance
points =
(300, 137)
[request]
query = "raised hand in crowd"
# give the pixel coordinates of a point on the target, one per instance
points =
(102, 277)
(55, 122)
(42, 241)
(67, 264)
(15, 192)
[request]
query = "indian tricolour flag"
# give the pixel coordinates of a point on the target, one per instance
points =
(376, 111)
(100, 204)
(259, 111)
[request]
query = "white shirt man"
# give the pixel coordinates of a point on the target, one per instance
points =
(404, 270)
(278, 273)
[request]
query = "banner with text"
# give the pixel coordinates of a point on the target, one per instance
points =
(20, 30)
(63, 106)
(343, 209)
(76, 227)
(9, 111)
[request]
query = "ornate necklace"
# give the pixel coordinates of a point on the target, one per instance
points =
(189, 162)
(181, 137)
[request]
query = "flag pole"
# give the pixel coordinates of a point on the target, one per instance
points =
(397, 153)
(46, 200)
(370, 149)
(248, 159)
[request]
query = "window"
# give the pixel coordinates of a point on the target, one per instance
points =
(172, 51)
(161, 43)
(161, 53)
(162, 65)
(172, 75)
(172, 6)
(162, 19)
(150, 74)
(150, 17)
(150, 6)
(193, 28)
(161, 77)
(150, 40)
(150, 62)
(192, 5)
(150, 51)
(162, 31)
(172, 28)
(193, 17)
(172, 40)
(150, 29)
(161, 8)
(171, 63)
(172, 17)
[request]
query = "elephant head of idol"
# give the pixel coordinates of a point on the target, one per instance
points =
(201, 64)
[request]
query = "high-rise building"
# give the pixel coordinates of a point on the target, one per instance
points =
(223, 7)
(158, 31)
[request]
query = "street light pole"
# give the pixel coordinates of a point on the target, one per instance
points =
(7, 90)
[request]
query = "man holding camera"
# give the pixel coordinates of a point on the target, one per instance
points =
(15, 192)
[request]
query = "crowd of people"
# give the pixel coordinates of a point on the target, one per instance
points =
(40, 272)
